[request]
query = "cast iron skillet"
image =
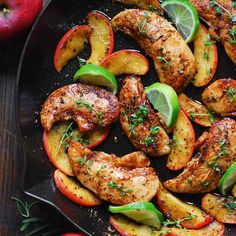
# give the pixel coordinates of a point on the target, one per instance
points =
(37, 79)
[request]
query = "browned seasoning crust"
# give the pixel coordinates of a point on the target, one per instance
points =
(117, 180)
(220, 24)
(132, 97)
(174, 61)
(152, 5)
(88, 105)
(216, 154)
(220, 97)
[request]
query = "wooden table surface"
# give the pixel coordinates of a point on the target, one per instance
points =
(11, 175)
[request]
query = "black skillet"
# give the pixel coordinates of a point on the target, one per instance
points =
(38, 78)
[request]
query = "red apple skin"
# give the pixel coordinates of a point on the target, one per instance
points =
(83, 199)
(53, 160)
(20, 17)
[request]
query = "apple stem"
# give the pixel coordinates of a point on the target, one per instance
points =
(5, 10)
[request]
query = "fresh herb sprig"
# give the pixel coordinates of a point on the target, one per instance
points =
(230, 206)
(231, 94)
(24, 210)
(81, 102)
(85, 162)
(177, 223)
(119, 187)
(193, 116)
(142, 25)
(67, 133)
(137, 118)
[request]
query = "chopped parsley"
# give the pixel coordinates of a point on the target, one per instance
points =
(148, 141)
(232, 32)
(206, 56)
(231, 94)
(154, 130)
(137, 118)
(209, 42)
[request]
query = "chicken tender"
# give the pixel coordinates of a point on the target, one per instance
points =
(216, 154)
(173, 59)
(89, 106)
(139, 121)
(116, 180)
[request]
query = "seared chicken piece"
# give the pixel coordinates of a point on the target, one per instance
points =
(89, 106)
(216, 154)
(139, 121)
(220, 97)
(220, 16)
(152, 5)
(174, 61)
(116, 180)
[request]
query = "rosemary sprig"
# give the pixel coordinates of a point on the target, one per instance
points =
(24, 211)
(23, 208)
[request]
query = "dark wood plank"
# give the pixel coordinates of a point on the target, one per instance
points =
(11, 162)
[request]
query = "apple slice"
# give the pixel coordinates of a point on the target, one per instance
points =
(176, 209)
(126, 62)
(234, 191)
(102, 37)
(55, 143)
(206, 55)
(72, 190)
(196, 111)
(213, 229)
(129, 228)
(223, 209)
(150, 5)
(71, 44)
(182, 144)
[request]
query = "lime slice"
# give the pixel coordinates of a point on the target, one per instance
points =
(141, 212)
(96, 75)
(228, 179)
(165, 100)
(184, 15)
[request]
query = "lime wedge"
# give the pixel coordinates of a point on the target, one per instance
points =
(165, 100)
(96, 75)
(185, 17)
(228, 179)
(141, 212)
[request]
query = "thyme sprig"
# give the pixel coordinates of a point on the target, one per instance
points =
(193, 116)
(230, 206)
(119, 187)
(142, 25)
(177, 223)
(67, 133)
(81, 102)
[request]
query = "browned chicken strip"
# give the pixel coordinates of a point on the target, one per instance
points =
(152, 5)
(216, 154)
(116, 180)
(220, 16)
(89, 106)
(139, 121)
(220, 97)
(174, 61)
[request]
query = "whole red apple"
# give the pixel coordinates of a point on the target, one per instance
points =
(16, 16)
